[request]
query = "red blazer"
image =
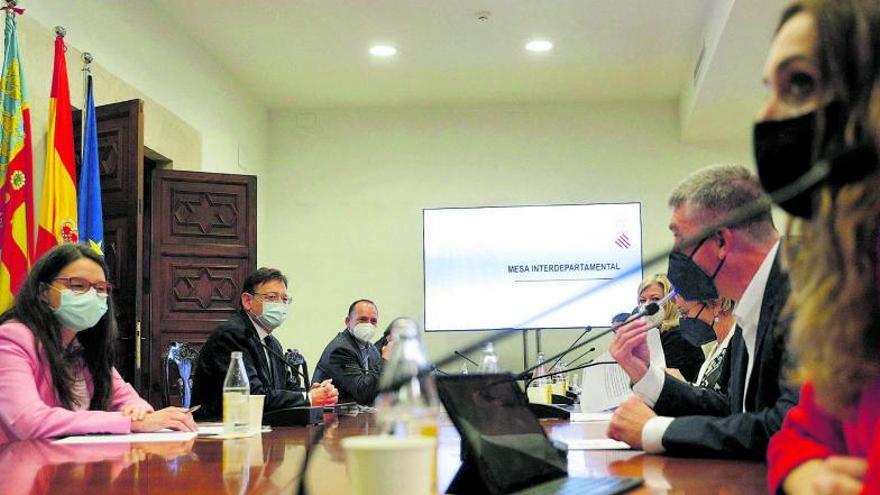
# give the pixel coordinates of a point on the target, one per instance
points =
(809, 432)
(28, 406)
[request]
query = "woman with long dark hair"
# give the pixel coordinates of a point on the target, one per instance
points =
(57, 352)
(823, 115)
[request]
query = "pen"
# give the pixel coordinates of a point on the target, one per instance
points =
(193, 409)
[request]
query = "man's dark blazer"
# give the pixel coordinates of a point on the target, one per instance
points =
(712, 424)
(239, 334)
(342, 361)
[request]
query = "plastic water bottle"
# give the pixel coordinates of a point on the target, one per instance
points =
(490, 360)
(236, 397)
(464, 369)
(408, 404)
(560, 380)
(539, 390)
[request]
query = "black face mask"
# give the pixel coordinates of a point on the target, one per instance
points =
(696, 331)
(689, 279)
(784, 153)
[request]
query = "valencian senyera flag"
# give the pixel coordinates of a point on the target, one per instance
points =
(91, 223)
(58, 210)
(16, 171)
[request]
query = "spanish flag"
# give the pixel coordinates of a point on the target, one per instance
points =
(16, 172)
(58, 211)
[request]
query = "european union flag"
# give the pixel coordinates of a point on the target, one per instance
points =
(91, 223)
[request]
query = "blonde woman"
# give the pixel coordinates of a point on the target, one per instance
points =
(680, 354)
(708, 324)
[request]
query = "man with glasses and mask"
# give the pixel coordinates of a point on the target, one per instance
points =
(351, 359)
(264, 303)
(739, 262)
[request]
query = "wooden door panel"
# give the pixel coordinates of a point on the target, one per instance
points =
(203, 246)
(202, 288)
(121, 157)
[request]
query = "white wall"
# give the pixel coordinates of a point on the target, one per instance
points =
(348, 187)
(139, 54)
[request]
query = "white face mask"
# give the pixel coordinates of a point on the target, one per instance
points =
(80, 311)
(364, 332)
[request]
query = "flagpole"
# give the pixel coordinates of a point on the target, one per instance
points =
(87, 59)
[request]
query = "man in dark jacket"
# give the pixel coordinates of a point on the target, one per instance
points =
(351, 359)
(264, 302)
(740, 262)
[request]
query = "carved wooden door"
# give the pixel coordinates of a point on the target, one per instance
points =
(121, 158)
(203, 244)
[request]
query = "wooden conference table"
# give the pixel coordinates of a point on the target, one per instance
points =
(272, 464)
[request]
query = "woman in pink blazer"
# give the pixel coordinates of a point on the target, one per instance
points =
(57, 350)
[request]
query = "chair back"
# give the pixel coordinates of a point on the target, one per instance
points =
(178, 362)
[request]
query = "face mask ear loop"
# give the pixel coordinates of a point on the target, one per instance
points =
(699, 245)
(702, 307)
(720, 264)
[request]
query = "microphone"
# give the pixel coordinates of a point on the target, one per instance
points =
(581, 355)
(278, 355)
(579, 367)
(648, 310)
(466, 358)
(586, 331)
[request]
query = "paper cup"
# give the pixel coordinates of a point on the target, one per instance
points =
(256, 412)
(369, 459)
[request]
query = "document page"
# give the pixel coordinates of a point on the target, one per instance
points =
(605, 386)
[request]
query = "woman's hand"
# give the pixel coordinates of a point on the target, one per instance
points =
(837, 475)
(136, 413)
(174, 418)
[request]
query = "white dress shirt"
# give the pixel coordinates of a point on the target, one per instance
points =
(747, 313)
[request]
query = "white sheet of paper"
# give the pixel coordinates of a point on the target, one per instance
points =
(595, 444)
(655, 346)
(582, 417)
(210, 430)
(606, 386)
(163, 436)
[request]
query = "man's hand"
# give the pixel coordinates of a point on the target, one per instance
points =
(175, 418)
(323, 394)
(629, 420)
(837, 475)
(629, 348)
(387, 348)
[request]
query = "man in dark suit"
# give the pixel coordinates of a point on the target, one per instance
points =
(739, 262)
(264, 302)
(351, 359)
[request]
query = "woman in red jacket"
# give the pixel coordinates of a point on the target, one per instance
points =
(819, 135)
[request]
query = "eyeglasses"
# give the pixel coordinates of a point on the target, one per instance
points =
(80, 285)
(274, 297)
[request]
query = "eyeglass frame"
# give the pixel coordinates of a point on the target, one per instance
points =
(283, 299)
(108, 287)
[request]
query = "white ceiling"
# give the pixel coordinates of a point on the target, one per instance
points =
(313, 53)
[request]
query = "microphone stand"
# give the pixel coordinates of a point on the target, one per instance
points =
(591, 349)
(466, 358)
(648, 310)
(580, 367)
(586, 331)
(284, 360)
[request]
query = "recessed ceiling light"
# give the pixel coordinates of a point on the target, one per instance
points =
(383, 51)
(539, 46)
